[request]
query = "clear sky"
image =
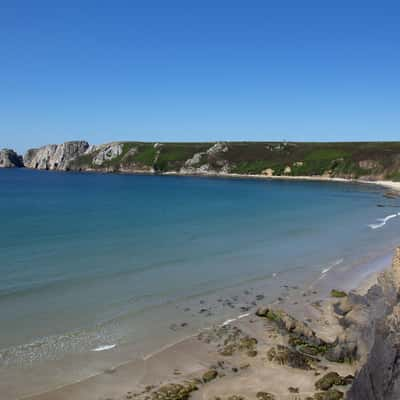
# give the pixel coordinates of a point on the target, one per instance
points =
(198, 70)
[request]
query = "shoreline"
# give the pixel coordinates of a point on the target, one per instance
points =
(394, 185)
(190, 344)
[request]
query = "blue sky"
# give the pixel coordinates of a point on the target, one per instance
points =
(198, 70)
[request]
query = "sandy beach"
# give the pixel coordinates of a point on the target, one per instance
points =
(244, 358)
(316, 178)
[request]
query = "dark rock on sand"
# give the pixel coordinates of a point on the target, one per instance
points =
(173, 391)
(285, 356)
(329, 395)
(265, 396)
(331, 379)
(210, 375)
(290, 324)
(343, 350)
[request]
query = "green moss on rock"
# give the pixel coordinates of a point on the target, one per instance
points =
(338, 293)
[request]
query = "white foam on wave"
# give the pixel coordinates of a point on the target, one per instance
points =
(382, 221)
(330, 266)
(228, 321)
(105, 347)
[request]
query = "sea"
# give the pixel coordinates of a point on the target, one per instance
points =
(100, 269)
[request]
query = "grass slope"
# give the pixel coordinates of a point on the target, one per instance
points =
(352, 160)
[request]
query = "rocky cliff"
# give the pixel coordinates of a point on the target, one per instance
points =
(379, 377)
(55, 156)
(346, 160)
(10, 159)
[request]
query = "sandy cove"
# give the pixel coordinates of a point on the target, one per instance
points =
(280, 352)
(393, 185)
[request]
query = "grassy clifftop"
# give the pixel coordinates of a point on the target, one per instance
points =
(370, 160)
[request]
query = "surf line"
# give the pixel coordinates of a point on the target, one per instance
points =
(229, 321)
(383, 221)
(105, 347)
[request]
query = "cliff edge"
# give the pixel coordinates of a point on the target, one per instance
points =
(55, 156)
(368, 161)
(379, 377)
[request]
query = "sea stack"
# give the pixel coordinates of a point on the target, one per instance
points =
(10, 159)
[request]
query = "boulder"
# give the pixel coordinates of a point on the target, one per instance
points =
(342, 307)
(209, 375)
(332, 378)
(265, 396)
(290, 324)
(329, 395)
(286, 356)
(174, 391)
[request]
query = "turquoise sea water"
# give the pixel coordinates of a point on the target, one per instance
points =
(90, 261)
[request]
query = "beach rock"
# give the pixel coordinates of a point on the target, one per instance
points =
(55, 156)
(329, 395)
(265, 396)
(10, 159)
(343, 350)
(290, 324)
(174, 391)
(332, 378)
(262, 311)
(285, 356)
(210, 375)
(342, 307)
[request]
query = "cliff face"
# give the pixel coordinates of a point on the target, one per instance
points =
(346, 160)
(55, 156)
(379, 377)
(10, 159)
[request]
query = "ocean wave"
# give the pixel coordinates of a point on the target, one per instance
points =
(330, 266)
(105, 347)
(229, 321)
(54, 347)
(382, 221)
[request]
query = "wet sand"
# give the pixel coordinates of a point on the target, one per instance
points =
(243, 372)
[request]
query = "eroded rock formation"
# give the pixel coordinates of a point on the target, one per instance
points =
(379, 377)
(55, 156)
(10, 159)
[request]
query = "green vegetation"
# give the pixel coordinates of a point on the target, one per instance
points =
(338, 293)
(145, 155)
(348, 160)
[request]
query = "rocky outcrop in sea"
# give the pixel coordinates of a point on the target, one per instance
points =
(10, 159)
